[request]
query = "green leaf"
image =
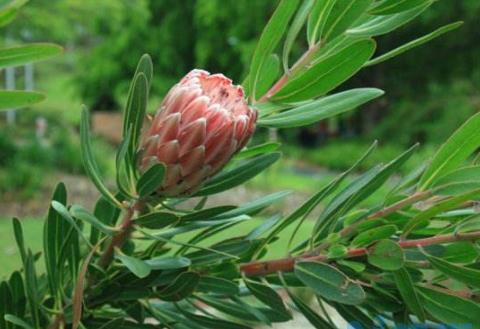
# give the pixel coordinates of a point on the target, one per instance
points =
(414, 43)
(329, 283)
(220, 251)
(240, 174)
(321, 109)
(54, 233)
(17, 321)
(63, 211)
(378, 233)
(337, 251)
(167, 263)
(389, 7)
(18, 293)
(317, 19)
(210, 322)
(315, 320)
(408, 292)
(9, 11)
(450, 309)
(469, 225)
(182, 287)
(342, 15)
(384, 24)
(357, 191)
(18, 233)
(442, 206)
(294, 30)
(89, 162)
(206, 214)
(469, 276)
(458, 181)
(241, 311)
(454, 151)
(11, 99)
(256, 205)
(326, 74)
(270, 73)
(269, 39)
(83, 214)
(214, 285)
(156, 220)
(137, 266)
(20, 55)
(107, 214)
(257, 150)
(151, 180)
(268, 296)
(386, 255)
(137, 97)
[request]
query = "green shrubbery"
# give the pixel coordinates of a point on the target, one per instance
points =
(26, 163)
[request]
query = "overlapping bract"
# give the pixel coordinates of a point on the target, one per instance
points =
(203, 121)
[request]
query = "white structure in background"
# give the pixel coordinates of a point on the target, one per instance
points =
(10, 84)
(41, 125)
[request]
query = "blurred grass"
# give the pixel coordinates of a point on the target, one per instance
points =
(33, 239)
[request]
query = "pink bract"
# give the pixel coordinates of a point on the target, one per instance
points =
(202, 122)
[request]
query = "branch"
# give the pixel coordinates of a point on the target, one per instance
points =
(414, 198)
(301, 63)
(287, 264)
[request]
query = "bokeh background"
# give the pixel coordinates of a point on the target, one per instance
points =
(430, 92)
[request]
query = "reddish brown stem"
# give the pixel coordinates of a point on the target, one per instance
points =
(414, 198)
(301, 63)
(287, 264)
(118, 240)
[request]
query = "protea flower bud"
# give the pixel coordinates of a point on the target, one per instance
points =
(202, 122)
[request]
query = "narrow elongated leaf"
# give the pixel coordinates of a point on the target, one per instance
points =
(240, 174)
(89, 162)
(389, 7)
(144, 67)
(317, 19)
(137, 266)
(210, 322)
(408, 292)
(21, 55)
(241, 311)
(342, 15)
(17, 321)
(458, 181)
(182, 287)
(256, 205)
(450, 309)
(329, 282)
(414, 43)
(356, 192)
(257, 150)
(294, 30)
(270, 73)
(267, 296)
(63, 211)
(378, 233)
(386, 255)
(167, 263)
(453, 152)
(206, 214)
(156, 220)
(151, 180)
(214, 285)
(54, 233)
(83, 214)
(18, 233)
(269, 39)
(424, 216)
(321, 109)
(315, 320)
(12, 99)
(379, 25)
(469, 276)
(326, 74)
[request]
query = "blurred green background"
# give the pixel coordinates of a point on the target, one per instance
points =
(430, 91)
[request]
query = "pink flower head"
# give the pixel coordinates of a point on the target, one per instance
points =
(202, 122)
